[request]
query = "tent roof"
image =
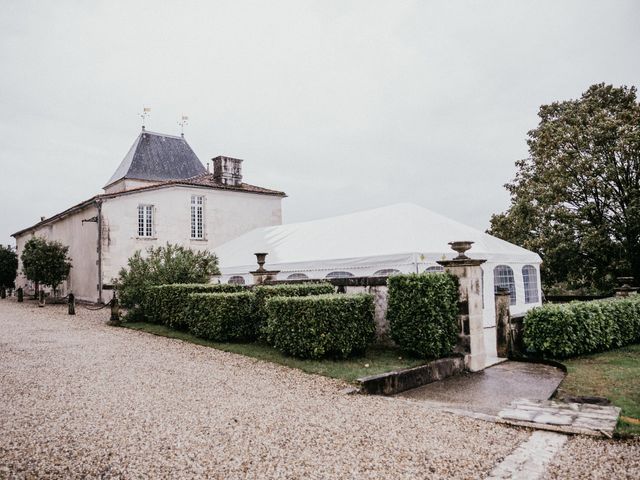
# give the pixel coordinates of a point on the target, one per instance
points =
(402, 232)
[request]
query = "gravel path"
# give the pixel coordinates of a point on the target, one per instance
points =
(79, 398)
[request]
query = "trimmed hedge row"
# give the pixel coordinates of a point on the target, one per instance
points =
(222, 317)
(423, 313)
(320, 325)
(577, 328)
(264, 292)
(165, 303)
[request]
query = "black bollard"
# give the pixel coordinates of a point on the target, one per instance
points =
(72, 304)
(20, 295)
(41, 299)
(115, 311)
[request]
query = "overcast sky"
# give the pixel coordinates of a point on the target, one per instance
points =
(344, 105)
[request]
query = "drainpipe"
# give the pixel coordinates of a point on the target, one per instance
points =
(99, 207)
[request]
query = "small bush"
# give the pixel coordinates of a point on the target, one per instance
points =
(222, 317)
(166, 304)
(320, 325)
(423, 313)
(264, 292)
(162, 266)
(577, 328)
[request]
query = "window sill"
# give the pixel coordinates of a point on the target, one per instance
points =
(199, 239)
(146, 238)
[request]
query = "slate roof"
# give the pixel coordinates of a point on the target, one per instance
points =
(156, 156)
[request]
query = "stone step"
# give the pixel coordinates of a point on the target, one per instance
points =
(563, 417)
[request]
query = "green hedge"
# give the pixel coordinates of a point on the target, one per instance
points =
(423, 313)
(264, 292)
(577, 328)
(222, 317)
(320, 325)
(165, 303)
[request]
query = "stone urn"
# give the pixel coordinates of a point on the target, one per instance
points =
(461, 247)
(261, 257)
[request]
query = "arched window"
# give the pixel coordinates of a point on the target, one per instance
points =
(530, 277)
(236, 280)
(339, 275)
(297, 276)
(503, 277)
(435, 269)
(386, 272)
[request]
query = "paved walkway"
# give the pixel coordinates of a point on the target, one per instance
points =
(493, 389)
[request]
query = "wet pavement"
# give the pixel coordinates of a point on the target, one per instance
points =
(493, 389)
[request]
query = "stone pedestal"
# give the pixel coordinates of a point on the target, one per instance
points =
(469, 274)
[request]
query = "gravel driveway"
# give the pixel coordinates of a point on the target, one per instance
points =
(79, 398)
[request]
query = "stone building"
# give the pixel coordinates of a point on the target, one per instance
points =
(160, 193)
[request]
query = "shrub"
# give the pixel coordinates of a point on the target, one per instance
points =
(162, 266)
(577, 328)
(264, 292)
(8, 266)
(320, 325)
(422, 313)
(222, 317)
(166, 304)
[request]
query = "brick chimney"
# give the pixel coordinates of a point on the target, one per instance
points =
(227, 170)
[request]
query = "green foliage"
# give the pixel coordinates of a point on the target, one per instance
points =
(163, 266)
(320, 325)
(166, 303)
(45, 262)
(576, 328)
(264, 292)
(8, 267)
(222, 317)
(576, 199)
(423, 313)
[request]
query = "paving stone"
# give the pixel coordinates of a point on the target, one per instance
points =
(569, 417)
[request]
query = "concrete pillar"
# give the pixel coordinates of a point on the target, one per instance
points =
(469, 274)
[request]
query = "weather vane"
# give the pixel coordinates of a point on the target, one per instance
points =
(183, 121)
(146, 111)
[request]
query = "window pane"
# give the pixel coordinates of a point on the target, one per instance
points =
(530, 278)
(503, 277)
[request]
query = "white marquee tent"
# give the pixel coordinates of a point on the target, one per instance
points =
(402, 237)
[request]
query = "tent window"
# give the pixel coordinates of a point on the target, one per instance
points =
(503, 277)
(435, 269)
(339, 275)
(386, 272)
(530, 278)
(236, 280)
(297, 276)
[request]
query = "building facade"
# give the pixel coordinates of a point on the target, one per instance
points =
(160, 193)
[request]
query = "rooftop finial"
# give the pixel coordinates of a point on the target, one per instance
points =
(183, 121)
(146, 111)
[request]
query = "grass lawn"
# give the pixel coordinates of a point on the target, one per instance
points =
(615, 375)
(379, 360)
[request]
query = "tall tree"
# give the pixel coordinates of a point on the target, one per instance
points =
(45, 262)
(8, 266)
(576, 199)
